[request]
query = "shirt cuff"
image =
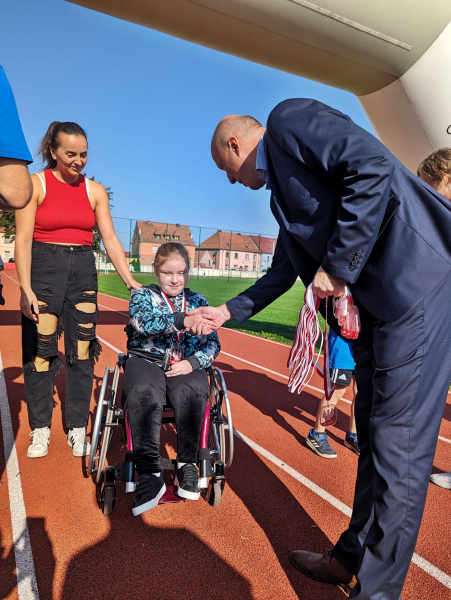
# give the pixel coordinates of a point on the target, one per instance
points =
(194, 362)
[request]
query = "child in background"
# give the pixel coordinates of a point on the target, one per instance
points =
(342, 365)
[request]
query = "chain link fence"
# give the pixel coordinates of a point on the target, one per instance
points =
(213, 252)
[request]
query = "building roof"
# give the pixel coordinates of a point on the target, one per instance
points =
(148, 230)
(223, 240)
(267, 245)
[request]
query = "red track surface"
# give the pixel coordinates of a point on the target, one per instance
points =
(191, 550)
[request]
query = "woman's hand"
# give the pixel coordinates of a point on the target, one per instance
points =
(133, 285)
(183, 367)
(28, 301)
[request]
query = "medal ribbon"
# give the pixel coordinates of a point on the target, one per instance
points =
(302, 360)
(171, 308)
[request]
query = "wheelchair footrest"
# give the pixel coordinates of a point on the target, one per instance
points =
(169, 496)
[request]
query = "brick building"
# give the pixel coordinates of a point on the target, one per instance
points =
(148, 237)
(224, 251)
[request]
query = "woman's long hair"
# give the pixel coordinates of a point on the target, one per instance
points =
(50, 140)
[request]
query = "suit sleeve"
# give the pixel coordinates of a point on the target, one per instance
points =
(350, 159)
(278, 280)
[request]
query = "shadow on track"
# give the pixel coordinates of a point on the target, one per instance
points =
(272, 398)
(284, 521)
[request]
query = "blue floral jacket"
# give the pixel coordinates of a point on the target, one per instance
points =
(155, 328)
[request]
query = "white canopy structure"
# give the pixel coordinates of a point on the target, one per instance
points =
(395, 55)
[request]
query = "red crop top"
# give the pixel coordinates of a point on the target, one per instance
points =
(65, 216)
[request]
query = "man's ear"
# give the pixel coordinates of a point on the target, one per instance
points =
(234, 145)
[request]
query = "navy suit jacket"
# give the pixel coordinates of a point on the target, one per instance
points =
(344, 202)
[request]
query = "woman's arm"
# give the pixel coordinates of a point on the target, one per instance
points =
(25, 220)
(109, 237)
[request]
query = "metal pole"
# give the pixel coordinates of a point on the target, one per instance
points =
(230, 257)
(198, 254)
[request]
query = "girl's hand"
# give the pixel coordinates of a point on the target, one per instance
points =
(183, 367)
(27, 301)
(133, 285)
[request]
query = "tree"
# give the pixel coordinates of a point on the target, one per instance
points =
(8, 221)
(96, 238)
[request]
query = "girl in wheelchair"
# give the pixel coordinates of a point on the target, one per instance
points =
(166, 362)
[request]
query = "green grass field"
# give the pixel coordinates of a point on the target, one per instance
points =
(277, 322)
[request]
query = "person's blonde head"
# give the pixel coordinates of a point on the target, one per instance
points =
(435, 170)
(167, 251)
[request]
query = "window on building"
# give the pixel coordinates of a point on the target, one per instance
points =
(227, 267)
(157, 236)
(7, 239)
(227, 255)
(246, 268)
(254, 268)
(246, 257)
(268, 258)
(167, 237)
(255, 257)
(236, 255)
(7, 255)
(235, 267)
(209, 263)
(176, 237)
(154, 249)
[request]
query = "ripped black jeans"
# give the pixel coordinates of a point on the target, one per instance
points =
(62, 277)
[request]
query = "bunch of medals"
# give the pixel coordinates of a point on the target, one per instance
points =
(347, 315)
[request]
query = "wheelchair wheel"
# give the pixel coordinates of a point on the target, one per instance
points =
(108, 495)
(103, 424)
(221, 426)
(215, 489)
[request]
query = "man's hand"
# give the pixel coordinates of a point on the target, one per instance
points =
(209, 317)
(198, 323)
(327, 285)
(180, 368)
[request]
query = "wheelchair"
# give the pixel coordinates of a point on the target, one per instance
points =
(214, 456)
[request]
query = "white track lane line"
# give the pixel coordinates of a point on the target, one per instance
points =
(26, 578)
(417, 560)
(420, 562)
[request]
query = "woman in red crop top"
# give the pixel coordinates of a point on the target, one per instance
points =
(58, 282)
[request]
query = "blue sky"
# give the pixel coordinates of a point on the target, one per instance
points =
(149, 103)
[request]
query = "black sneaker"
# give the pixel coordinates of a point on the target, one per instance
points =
(148, 492)
(352, 443)
(186, 483)
(319, 443)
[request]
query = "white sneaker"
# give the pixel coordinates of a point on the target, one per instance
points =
(442, 479)
(39, 445)
(76, 438)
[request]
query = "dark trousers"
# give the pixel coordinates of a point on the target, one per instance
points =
(146, 388)
(61, 277)
(402, 378)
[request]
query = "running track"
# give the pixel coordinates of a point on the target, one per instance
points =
(56, 544)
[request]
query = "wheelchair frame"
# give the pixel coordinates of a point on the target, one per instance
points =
(215, 451)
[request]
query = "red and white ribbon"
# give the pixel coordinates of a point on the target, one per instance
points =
(171, 308)
(302, 360)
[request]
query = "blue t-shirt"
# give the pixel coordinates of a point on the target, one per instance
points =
(12, 140)
(340, 352)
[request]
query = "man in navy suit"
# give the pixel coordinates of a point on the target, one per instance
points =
(350, 213)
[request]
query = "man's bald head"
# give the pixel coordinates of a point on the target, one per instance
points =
(234, 149)
(234, 125)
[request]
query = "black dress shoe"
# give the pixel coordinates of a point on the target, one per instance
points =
(323, 568)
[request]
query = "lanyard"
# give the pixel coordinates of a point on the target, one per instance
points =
(302, 360)
(171, 308)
